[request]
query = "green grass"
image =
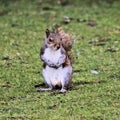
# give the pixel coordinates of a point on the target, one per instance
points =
(91, 96)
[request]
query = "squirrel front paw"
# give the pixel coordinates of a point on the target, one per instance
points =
(50, 64)
(54, 66)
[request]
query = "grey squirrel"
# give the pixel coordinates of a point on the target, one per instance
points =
(57, 68)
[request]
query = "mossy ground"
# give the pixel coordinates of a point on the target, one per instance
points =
(96, 27)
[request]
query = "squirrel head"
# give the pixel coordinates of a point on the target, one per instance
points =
(53, 39)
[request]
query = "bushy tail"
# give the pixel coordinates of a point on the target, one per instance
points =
(67, 40)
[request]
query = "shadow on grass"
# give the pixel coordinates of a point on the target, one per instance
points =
(74, 85)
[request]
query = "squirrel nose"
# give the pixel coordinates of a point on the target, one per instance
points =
(57, 46)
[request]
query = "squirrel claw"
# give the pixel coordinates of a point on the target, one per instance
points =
(63, 91)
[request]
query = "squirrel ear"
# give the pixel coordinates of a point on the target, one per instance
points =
(47, 33)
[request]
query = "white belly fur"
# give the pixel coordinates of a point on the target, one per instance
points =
(55, 76)
(52, 55)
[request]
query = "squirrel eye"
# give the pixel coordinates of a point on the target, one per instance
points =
(50, 40)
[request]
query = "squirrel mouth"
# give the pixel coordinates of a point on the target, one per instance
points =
(57, 47)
